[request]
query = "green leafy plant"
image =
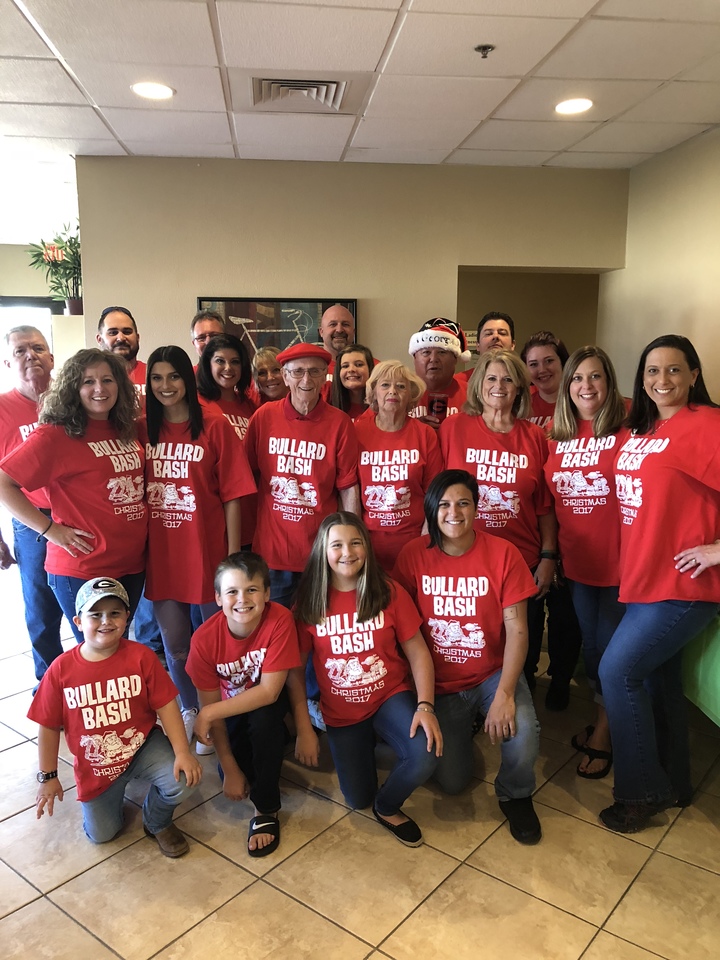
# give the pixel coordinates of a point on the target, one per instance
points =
(61, 261)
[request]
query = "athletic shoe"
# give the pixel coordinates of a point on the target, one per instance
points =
(631, 817)
(204, 749)
(189, 716)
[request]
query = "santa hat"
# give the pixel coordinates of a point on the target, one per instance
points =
(443, 334)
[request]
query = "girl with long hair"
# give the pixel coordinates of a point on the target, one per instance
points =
(352, 370)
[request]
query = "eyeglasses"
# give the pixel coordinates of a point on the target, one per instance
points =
(297, 373)
(204, 337)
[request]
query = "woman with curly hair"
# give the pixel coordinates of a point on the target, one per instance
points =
(86, 453)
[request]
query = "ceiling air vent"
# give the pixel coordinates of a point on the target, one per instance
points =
(316, 96)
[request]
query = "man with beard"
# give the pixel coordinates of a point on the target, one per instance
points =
(117, 332)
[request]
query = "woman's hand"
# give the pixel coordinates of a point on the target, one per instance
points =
(70, 539)
(429, 722)
(543, 576)
(500, 720)
(697, 559)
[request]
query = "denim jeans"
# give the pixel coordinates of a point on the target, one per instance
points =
(641, 677)
(283, 587)
(599, 613)
(456, 712)
(563, 631)
(147, 630)
(42, 611)
(353, 751)
(66, 589)
(103, 816)
(257, 741)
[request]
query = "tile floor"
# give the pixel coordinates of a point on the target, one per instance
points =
(339, 887)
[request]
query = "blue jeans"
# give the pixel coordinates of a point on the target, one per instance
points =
(641, 677)
(456, 712)
(103, 816)
(42, 611)
(353, 752)
(599, 613)
(283, 586)
(147, 630)
(66, 589)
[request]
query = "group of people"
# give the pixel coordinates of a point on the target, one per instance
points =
(364, 546)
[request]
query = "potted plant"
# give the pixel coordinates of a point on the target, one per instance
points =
(61, 261)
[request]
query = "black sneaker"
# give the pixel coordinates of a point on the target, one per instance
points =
(558, 696)
(631, 817)
(408, 833)
(522, 820)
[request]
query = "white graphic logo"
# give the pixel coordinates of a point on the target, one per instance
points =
(572, 483)
(354, 673)
(385, 497)
(629, 490)
(493, 500)
(125, 489)
(449, 633)
(288, 490)
(106, 749)
(168, 496)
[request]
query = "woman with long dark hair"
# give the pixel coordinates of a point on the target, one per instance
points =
(196, 473)
(86, 454)
(667, 476)
(353, 366)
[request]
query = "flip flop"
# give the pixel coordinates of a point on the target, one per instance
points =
(593, 754)
(575, 743)
(264, 823)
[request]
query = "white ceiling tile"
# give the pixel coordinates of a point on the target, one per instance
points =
(608, 161)
(507, 8)
(171, 126)
(536, 98)
(290, 151)
(411, 133)
(619, 137)
(134, 31)
(58, 150)
(277, 135)
(688, 10)
(500, 158)
(198, 88)
(680, 102)
(276, 36)
(37, 81)
(363, 4)
(437, 45)
(21, 120)
(17, 37)
(430, 97)
(527, 135)
(708, 70)
(382, 155)
(141, 148)
(638, 50)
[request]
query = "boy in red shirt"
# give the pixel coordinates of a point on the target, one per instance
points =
(107, 695)
(239, 661)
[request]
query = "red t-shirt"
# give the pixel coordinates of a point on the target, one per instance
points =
(18, 419)
(359, 665)
(188, 481)
(238, 413)
(95, 483)
(218, 659)
(456, 395)
(668, 490)
(395, 470)
(509, 471)
(542, 411)
(579, 475)
(461, 600)
(301, 462)
(107, 709)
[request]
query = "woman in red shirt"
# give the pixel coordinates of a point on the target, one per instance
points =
(352, 371)
(374, 671)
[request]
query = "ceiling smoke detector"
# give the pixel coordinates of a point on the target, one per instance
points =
(316, 96)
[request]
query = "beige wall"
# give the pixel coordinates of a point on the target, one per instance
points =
(17, 279)
(671, 283)
(565, 303)
(157, 233)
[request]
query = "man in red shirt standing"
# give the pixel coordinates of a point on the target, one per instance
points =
(29, 358)
(436, 349)
(118, 333)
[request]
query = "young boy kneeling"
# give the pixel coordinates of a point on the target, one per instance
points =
(239, 661)
(107, 694)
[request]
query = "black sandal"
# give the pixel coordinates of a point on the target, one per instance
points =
(264, 823)
(593, 754)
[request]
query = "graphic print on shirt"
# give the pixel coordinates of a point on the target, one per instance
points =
(629, 494)
(288, 490)
(107, 749)
(126, 492)
(353, 677)
(125, 489)
(243, 673)
(171, 461)
(491, 499)
(460, 638)
(168, 496)
(450, 633)
(581, 491)
(293, 496)
(628, 488)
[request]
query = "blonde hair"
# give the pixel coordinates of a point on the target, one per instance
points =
(393, 370)
(611, 414)
(517, 371)
(263, 355)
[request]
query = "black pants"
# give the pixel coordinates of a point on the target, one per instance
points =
(564, 637)
(257, 741)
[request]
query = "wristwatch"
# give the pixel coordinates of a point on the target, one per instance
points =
(43, 777)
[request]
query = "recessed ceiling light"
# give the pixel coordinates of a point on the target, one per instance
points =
(153, 91)
(579, 105)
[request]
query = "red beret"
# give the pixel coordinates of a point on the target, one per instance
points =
(300, 350)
